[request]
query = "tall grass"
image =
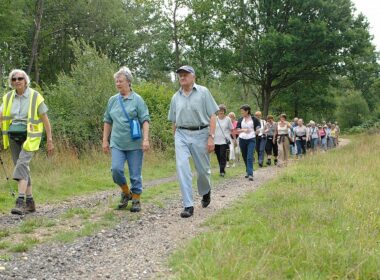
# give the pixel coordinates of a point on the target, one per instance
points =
(67, 175)
(319, 220)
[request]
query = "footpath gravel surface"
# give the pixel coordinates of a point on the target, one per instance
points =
(134, 249)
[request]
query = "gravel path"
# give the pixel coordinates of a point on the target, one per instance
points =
(85, 201)
(134, 249)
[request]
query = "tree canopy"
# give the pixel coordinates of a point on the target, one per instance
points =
(279, 55)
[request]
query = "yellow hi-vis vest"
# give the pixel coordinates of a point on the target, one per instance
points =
(35, 126)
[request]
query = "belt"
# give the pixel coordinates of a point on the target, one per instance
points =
(193, 127)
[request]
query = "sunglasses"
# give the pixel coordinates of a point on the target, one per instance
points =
(17, 79)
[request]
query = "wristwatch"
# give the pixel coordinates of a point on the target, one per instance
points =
(212, 136)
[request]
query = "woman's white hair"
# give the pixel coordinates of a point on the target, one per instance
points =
(126, 72)
(18, 71)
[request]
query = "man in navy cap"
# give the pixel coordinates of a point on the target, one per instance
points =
(193, 113)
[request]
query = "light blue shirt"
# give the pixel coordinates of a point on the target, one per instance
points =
(136, 108)
(194, 109)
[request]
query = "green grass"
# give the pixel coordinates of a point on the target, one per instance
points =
(78, 222)
(29, 225)
(4, 233)
(65, 175)
(24, 246)
(319, 220)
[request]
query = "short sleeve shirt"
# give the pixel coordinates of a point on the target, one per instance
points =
(223, 130)
(136, 108)
(20, 107)
(194, 109)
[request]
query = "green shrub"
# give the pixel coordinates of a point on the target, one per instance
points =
(78, 100)
(352, 110)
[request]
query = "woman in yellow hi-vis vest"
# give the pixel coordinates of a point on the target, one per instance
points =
(23, 118)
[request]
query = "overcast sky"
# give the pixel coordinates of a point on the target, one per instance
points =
(371, 9)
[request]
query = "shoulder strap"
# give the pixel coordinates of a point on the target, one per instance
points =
(217, 119)
(123, 108)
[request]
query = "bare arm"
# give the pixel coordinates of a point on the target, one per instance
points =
(106, 133)
(49, 136)
(145, 145)
(210, 142)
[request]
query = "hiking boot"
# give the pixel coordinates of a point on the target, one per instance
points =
(136, 206)
(206, 199)
(20, 207)
(187, 212)
(124, 200)
(269, 162)
(246, 176)
(275, 162)
(260, 164)
(222, 174)
(30, 205)
(250, 178)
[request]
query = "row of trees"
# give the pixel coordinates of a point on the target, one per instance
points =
(305, 57)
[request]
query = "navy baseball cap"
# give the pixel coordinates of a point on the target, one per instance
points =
(186, 68)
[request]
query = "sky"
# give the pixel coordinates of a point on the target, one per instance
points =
(371, 9)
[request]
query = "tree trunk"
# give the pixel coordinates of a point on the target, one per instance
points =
(37, 24)
(36, 70)
(2, 85)
(175, 30)
(265, 97)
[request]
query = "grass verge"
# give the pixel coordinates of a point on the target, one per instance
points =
(319, 220)
(65, 175)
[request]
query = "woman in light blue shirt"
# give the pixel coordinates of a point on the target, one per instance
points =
(123, 110)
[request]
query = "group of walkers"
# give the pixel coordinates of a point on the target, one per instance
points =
(200, 127)
(278, 140)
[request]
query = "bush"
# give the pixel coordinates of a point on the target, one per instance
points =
(370, 126)
(78, 101)
(352, 110)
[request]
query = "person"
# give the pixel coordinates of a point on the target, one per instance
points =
(23, 119)
(293, 146)
(308, 141)
(301, 135)
(261, 139)
(323, 137)
(271, 145)
(333, 136)
(125, 110)
(247, 138)
(192, 112)
(337, 133)
(283, 129)
(314, 137)
(234, 146)
(222, 138)
(328, 135)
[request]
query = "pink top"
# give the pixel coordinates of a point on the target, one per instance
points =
(234, 130)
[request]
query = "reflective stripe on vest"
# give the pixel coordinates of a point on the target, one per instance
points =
(34, 123)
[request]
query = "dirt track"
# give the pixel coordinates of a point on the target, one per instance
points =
(135, 249)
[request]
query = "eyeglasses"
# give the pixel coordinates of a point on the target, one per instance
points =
(17, 79)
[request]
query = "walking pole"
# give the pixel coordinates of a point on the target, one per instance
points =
(11, 190)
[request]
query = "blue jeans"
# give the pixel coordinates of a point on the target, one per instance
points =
(260, 148)
(134, 159)
(192, 143)
(247, 148)
(301, 146)
(314, 143)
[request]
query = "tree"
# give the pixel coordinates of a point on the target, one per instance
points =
(37, 29)
(13, 37)
(352, 109)
(285, 41)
